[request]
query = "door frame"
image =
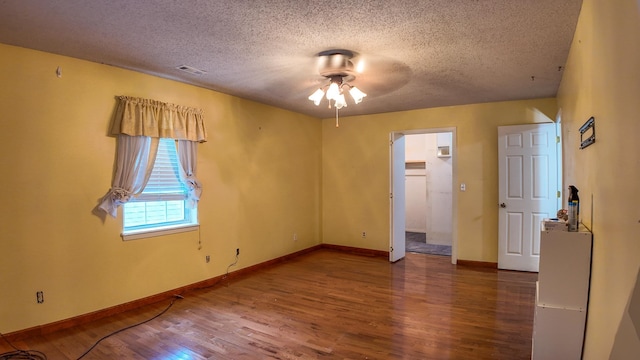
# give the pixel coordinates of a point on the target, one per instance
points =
(396, 218)
(559, 159)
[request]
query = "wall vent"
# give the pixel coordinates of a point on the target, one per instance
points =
(191, 70)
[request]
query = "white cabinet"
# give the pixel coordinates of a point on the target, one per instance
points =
(562, 295)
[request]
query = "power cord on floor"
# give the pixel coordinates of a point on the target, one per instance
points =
(20, 354)
(175, 297)
(232, 264)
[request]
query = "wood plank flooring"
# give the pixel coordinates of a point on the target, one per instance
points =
(325, 305)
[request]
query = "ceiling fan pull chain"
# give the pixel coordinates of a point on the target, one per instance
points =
(337, 124)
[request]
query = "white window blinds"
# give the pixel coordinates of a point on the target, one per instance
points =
(164, 182)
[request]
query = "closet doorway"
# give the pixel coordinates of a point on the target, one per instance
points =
(429, 193)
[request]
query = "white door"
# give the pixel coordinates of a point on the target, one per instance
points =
(397, 243)
(528, 192)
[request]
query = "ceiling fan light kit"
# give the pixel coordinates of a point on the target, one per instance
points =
(336, 66)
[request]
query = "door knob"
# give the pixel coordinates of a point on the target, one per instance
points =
(503, 205)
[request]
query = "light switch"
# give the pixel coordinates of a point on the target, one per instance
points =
(463, 187)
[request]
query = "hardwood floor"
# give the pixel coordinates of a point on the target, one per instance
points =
(325, 305)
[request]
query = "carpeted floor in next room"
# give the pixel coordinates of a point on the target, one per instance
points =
(417, 243)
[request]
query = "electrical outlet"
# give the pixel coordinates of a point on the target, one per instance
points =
(40, 297)
(237, 251)
(364, 234)
(207, 258)
(295, 237)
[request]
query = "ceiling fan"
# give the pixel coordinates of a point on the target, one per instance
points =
(337, 67)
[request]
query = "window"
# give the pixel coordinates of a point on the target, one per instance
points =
(162, 207)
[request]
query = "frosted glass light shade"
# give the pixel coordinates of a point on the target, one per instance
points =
(357, 94)
(340, 102)
(333, 92)
(316, 97)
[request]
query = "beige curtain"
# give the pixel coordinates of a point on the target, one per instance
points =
(187, 156)
(145, 117)
(134, 162)
(138, 124)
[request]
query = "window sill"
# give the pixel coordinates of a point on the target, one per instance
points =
(142, 234)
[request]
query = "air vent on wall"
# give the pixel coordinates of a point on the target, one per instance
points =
(191, 70)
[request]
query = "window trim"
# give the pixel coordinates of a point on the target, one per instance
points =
(159, 231)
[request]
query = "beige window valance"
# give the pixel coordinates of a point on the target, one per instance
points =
(145, 117)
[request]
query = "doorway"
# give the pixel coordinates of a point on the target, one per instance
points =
(423, 219)
(428, 193)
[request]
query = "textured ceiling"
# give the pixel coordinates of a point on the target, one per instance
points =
(417, 54)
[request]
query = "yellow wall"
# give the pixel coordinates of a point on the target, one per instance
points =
(261, 172)
(267, 173)
(602, 79)
(356, 172)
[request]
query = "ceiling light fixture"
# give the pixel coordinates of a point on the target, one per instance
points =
(336, 66)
